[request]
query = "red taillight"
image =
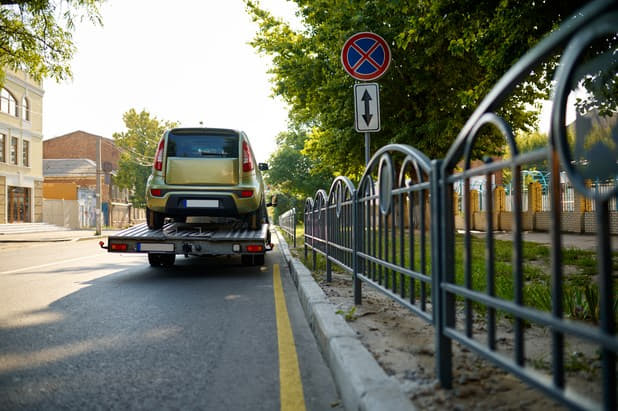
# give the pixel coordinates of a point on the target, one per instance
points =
(156, 192)
(158, 162)
(119, 247)
(255, 248)
(246, 193)
(247, 160)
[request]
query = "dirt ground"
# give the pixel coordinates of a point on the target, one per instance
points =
(403, 344)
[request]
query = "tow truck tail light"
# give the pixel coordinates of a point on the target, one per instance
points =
(246, 193)
(119, 247)
(156, 192)
(158, 162)
(255, 248)
(247, 160)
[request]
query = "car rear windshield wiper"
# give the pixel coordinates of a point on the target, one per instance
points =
(213, 154)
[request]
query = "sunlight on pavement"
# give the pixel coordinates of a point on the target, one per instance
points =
(27, 360)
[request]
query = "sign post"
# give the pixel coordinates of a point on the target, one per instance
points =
(367, 112)
(366, 56)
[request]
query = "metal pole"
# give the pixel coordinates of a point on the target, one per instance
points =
(367, 147)
(98, 195)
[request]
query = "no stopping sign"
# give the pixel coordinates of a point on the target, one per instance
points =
(365, 56)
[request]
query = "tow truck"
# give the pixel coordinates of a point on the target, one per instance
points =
(197, 239)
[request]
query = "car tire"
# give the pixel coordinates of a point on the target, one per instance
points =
(258, 217)
(154, 220)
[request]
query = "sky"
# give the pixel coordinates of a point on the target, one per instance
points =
(185, 61)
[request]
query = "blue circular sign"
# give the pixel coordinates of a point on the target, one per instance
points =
(365, 56)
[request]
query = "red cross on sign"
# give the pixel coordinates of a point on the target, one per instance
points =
(365, 56)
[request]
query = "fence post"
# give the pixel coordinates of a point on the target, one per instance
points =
(305, 235)
(358, 240)
(329, 268)
(294, 225)
(441, 257)
(313, 253)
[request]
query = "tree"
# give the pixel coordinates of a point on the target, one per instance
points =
(138, 144)
(446, 56)
(35, 35)
(292, 173)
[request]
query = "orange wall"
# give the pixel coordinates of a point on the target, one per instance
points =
(66, 191)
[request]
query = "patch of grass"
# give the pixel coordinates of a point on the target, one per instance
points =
(538, 295)
(533, 251)
(585, 261)
(580, 293)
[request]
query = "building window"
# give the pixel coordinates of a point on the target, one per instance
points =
(25, 109)
(2, 140)
(26, 153)
(14, 150)
(8, 104)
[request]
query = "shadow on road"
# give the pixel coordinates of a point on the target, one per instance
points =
(198, 335)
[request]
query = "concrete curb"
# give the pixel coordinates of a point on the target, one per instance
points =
(362, 383)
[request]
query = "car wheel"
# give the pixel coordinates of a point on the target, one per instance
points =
(258, 217)
(155, 220)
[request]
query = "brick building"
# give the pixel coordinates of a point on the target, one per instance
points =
(70, 171)
(21, 135)
(80, 144)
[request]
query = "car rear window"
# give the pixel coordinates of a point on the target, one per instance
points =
(204, 145)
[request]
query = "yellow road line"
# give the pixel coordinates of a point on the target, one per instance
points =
(290, 384)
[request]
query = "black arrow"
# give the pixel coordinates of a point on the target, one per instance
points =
(367, 116)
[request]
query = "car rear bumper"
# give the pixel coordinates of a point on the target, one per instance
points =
(203, 204)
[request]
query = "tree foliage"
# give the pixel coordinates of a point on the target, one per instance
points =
(292, 173)
(138, 144)
(35, 35)
(446, 56)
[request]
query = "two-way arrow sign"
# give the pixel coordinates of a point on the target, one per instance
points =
(367, 107)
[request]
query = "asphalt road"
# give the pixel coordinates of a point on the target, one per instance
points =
(84, 329)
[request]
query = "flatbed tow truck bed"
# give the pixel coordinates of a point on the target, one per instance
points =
(163, 244)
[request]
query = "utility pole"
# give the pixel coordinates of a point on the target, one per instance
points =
(98, 195)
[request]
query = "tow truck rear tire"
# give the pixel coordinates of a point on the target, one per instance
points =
(158, 260)
(252, 259)
(154, 260)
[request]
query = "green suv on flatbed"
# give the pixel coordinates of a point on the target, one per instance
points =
(205, 172)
